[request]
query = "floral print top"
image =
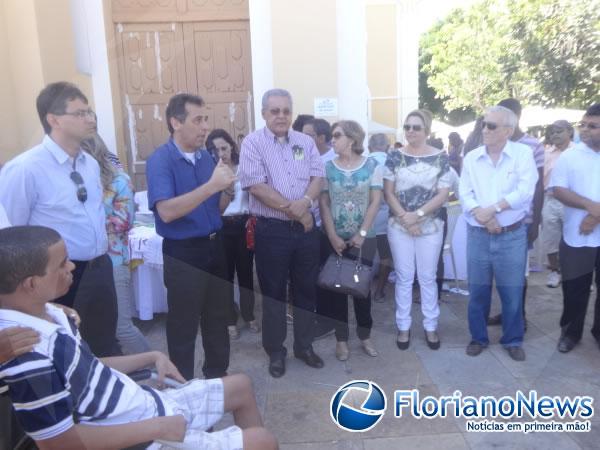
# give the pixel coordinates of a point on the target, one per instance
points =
(349, 192)
(120, 209)
(416, 181)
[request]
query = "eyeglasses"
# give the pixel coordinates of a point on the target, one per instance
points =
(277, 111)
(78, 180)
(80, 114)
(588, 125)
(408, 127)
(337, 135)
(490, 125)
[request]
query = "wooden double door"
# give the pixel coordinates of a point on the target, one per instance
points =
(158, 59)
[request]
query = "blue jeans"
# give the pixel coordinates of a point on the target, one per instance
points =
(503, 257)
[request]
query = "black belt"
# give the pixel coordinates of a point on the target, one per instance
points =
(235, 219)
(191, 241)
(289, 223)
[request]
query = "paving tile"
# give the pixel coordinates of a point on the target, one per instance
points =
(454, 441)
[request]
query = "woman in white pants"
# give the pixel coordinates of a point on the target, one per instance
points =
(417, 180)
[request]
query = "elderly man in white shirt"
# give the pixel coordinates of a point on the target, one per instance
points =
(496, 188)
(576, 184)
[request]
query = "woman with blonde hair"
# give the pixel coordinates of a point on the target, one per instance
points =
(417, 181)
(119, 208)
(349, 203)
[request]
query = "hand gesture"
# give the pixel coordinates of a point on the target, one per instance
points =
(484, 215)
(414, 230)
(356, 241)
(16, 341)
(173, 428)
(594, 210)
(297, 208)
(409, 219)
(493, 226)
(307, 221)
(338, 244)
(164, 367)
(588, 224)
(222, 176)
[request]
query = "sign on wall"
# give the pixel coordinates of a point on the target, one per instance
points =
(326, 107)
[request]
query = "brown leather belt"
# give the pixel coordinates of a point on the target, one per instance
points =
(512, 227)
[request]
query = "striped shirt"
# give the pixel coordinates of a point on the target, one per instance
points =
(539, 155)
(287, 166)
(61, 383)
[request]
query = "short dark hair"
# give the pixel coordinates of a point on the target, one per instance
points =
(300, 121)
(176, 108)
(23, 254)
(221, 133)
(321, 127)
(513, 104)
(53, 100)
(593, 110)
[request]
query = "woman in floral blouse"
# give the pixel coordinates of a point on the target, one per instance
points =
(348, 204)
(417, 179)
(119, 208)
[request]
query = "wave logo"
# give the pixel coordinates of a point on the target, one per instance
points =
(358, 406)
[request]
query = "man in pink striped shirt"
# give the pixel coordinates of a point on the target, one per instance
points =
(283, 172)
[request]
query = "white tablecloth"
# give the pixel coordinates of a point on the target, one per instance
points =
(147, 278)
(459, 246)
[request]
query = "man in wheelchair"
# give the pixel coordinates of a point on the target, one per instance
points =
(66, 398)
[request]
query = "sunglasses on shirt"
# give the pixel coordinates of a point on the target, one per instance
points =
(408, 127)
(81, 190)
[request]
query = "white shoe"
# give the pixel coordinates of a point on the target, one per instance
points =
(553, 279)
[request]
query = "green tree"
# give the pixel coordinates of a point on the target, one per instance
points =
(540, 51)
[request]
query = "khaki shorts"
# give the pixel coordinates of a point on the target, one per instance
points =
(552, 223)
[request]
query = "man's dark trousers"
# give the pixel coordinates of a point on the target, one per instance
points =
(282, 248)
(577, 265)
(194, 273)
(92, 294)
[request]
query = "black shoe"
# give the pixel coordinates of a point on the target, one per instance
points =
(277, 367)
(309, 357)
(516, 353)
(495, 320)
(403, 343)
(433, 343)
(565, 344)
(474, 348)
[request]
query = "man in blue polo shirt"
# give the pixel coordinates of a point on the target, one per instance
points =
(185, 193)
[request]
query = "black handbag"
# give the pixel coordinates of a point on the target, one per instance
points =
(346, 276)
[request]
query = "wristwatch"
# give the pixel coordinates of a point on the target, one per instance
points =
(498, 209)
(420, 213)
(362, 233)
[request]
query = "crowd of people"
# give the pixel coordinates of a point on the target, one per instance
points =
(279, 203)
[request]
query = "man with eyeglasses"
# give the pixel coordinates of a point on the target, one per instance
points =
(57, 185)
(575, 183)
(283, 172)
(496, 187)
(534, 214)
(560, 136)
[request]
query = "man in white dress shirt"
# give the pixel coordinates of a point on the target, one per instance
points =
(496, 187)
(575, 183)
(57, 185)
